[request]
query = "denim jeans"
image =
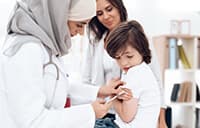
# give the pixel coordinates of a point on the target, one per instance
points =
(105, 123)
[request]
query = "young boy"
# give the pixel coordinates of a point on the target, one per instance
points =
(128, 45)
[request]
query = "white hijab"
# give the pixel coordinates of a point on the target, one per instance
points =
(46, 20)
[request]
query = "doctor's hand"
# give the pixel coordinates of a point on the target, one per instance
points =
(101, 107)
(110, 88)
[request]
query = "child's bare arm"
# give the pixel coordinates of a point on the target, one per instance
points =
(126, 109)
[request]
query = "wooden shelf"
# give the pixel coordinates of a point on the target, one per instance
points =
(179, 36)
(172, 104)
(181, 111)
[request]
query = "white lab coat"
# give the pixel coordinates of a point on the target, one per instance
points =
(29, 91)
(5, 120)
(93, 71)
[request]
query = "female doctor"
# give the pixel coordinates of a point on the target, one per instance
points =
(33, 74)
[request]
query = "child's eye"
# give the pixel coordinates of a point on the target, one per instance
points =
(129, 57)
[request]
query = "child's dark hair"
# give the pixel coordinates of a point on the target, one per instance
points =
(128, 33)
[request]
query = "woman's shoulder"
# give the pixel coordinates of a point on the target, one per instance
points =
(23, 44)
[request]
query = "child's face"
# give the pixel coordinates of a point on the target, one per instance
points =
(128, 58)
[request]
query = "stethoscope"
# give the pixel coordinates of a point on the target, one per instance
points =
(48, 106)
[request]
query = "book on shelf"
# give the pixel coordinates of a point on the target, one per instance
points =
(185, 92)
(197, 93)
(173, 53)
(182, 95)
(168, 117)
(197, 114)
(183, 57)
(188, 97)
(175, 91)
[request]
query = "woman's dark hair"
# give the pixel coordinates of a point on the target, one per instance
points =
(98, 28)
(128, 33)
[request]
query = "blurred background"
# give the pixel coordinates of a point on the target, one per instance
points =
(156, 17)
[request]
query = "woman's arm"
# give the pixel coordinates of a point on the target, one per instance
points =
(27, 99)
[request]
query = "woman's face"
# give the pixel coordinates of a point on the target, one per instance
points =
(76, 27)
(107, 14)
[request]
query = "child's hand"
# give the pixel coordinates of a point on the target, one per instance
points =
(127, 95)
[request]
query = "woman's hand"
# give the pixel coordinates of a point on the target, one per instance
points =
(101, 107)
(110, 88)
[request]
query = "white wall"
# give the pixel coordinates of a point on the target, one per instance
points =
(152, 14)
(5, 10)
(155, 17)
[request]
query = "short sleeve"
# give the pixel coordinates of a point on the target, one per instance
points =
(133, 82)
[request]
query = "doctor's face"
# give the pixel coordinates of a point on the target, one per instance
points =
(76, 27)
